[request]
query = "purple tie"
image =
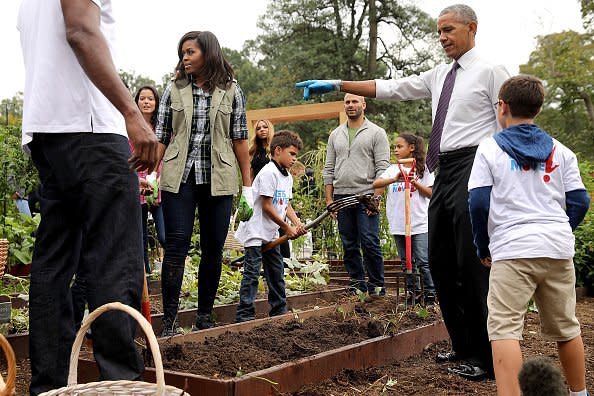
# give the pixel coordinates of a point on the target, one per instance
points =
(440, 115)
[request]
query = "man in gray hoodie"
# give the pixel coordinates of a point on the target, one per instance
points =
(358, 152)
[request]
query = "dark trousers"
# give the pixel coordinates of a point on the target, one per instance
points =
(178, 212)
(157, 213)
(274, 273)
(461, 282)
(360, 232)
(90, 223)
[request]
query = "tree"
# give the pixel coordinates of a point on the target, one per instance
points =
(565, 61)
(588, 14)
(337, 39)
(11, 110)
(134, 81)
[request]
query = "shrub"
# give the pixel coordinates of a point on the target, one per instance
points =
(584, 234)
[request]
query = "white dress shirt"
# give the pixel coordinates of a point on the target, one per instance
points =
(472, 115)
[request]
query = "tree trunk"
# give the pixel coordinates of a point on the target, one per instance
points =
(372, 55)
(589, 107)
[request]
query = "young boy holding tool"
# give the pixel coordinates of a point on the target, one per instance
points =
(272, 191)
(525, 198)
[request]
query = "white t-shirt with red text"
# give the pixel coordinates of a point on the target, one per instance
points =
(527, 216)
(395, 203)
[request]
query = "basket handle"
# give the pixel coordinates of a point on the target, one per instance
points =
(144, 324)
(7, 389)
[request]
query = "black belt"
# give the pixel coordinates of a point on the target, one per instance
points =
(456, 154)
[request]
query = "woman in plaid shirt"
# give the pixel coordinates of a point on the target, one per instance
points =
(199, 168)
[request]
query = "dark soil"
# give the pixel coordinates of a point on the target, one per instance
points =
(419, 375)
(276, 343)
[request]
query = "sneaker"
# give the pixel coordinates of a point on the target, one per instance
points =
(171, 328)
(430, 298)
(203, 322)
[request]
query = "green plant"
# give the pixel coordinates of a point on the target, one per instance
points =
(584, 234)
(19, 231)
(423, 313)
(19, 321)
(307, 276)
(10, 285)
(17, 172)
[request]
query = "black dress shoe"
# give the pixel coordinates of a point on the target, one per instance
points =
(444, 357)
(468, 371)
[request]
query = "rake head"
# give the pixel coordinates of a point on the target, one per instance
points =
(342, 203)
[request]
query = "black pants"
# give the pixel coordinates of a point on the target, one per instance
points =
(178, 212)
(90, 223)
(461, 282)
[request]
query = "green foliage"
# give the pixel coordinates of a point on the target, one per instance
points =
(19, 231)
(422, 312)
(17, 172)
(584, 234)
(566, 62)
(10, 285)
(588, 14)
(19, 321)
(306, 39)
(305, 277)
(11, 110)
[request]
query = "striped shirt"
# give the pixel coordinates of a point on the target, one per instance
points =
(200, 138)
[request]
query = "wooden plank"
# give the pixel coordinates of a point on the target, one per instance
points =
(306, 112)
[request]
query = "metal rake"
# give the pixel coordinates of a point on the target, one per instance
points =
(334, 207)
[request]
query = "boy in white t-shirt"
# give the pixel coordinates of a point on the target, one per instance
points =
(525, 197)
(410, 146)
(272, 190)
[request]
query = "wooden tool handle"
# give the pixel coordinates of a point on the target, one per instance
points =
(7, 389)
(275, 243)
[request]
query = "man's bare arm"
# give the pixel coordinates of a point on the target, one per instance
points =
(82, 21)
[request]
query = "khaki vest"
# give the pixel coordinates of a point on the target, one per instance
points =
(223, 174)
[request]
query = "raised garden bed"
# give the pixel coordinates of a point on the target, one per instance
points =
(223, 313)
(287, 352)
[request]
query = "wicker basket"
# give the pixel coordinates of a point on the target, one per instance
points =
(3, 255)
(122, 387)
(7, 389)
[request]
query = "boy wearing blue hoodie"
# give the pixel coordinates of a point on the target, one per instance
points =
(525, 198)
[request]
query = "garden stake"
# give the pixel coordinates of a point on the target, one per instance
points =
(407, 238)
(407, 228)
(145, 304)
(334, 207)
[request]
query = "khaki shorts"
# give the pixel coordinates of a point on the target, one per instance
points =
(552, 284)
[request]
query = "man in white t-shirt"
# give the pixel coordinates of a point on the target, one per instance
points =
(272, 190)
(73, 127)
(525, 198)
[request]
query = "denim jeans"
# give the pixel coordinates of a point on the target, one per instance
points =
(420, 261)
(274, 273)
(178, 212)
(157, 213)
(90, 224)
(360, 232)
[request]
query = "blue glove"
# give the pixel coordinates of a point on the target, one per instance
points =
(318, 87)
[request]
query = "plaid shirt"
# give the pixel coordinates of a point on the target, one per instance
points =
(200, 139)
